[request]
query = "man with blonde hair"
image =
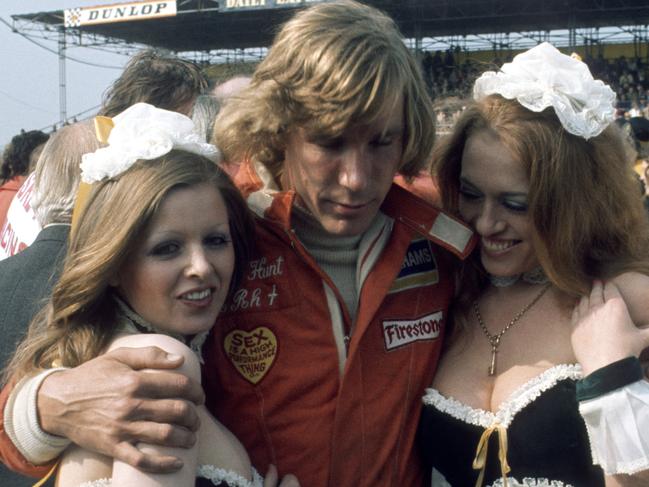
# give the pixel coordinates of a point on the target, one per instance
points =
(319, 361)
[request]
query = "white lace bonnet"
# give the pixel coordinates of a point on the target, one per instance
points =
(542, 77)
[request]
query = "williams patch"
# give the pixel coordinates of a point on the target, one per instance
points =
(398, 333)
(419, 268)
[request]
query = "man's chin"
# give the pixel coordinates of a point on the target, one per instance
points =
(346, 227)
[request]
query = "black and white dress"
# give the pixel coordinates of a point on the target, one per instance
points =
(546, 438)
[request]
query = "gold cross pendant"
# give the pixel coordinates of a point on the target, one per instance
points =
(492, 367)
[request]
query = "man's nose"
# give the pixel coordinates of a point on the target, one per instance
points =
(355, 169)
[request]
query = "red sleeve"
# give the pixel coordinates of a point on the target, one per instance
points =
(9, 454)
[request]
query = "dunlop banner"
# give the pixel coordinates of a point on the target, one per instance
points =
(120, 12)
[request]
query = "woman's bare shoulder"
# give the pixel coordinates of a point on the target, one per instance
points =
(191, 366)
(634, 288)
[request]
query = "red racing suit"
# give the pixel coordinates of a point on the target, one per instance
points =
(273, 372)
(276, 374)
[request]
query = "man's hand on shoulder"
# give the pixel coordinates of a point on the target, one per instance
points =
(113, 402)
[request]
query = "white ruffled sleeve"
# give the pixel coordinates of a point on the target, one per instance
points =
(618, 428)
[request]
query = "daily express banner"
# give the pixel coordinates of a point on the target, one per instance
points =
(120, 12)
(231, 5)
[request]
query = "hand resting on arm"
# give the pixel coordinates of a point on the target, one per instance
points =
(111, 402)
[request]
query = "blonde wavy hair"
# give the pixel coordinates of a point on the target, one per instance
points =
(332, 66)
(78, 322)
(587, 215)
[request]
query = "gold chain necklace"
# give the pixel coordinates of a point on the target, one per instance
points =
(495, 339)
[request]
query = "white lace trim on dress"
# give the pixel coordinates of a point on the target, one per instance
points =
(233, 479)
(98, 483)
(209, 472)
(517, 400)
(530, 482)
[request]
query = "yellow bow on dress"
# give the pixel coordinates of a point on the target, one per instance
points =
(49, 474)
(480, 460)
(103, 126)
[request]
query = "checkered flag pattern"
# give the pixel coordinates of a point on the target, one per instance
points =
(73, 17)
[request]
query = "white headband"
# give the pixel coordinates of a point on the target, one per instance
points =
(542, 77)
(143, 131)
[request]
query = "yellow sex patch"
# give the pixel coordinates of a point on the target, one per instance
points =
(251, 352)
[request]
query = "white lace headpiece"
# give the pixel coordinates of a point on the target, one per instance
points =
(544, 77)
(143, 131)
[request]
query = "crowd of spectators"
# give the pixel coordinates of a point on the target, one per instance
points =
(450, 77)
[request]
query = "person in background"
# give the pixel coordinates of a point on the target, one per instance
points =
(532, 390)
(318, 360)
(206, 108)
(18, 159)
(164, 81)
(230, 87)
(26, 279)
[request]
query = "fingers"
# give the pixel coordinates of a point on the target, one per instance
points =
(165, 434)
(582, 308)
(145, 358)
(128, 453)
(589, 301)
(270, 479)
(164, 385)
(289, 481)
(644, 333)
(611, 291)
(174, 411)
(597, 293)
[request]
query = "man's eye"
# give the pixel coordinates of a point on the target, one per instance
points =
(382, 141)
(330, 144)
(469, 194)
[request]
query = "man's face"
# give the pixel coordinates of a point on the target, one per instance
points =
(343, 181)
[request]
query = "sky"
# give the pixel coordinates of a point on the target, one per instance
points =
(29, 74)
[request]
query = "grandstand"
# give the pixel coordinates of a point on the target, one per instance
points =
(455, 39)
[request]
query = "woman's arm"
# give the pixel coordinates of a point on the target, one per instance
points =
(614, 394)
(79, 465)
(134, 405)
(125, 474)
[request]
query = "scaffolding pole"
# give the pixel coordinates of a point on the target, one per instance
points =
(63, 111)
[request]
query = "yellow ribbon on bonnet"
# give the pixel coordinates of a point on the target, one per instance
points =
(103, 126)
(480, 460)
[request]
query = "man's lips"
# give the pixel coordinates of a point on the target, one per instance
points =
(349, 207)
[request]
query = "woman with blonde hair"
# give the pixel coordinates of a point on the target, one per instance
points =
(161, 242)
(529, 392)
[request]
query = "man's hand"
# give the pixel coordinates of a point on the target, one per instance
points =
(602, 329)
(271, 479)
(110, 403)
